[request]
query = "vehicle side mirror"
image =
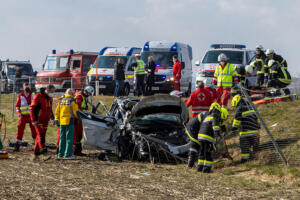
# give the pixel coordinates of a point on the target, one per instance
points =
(197, 63)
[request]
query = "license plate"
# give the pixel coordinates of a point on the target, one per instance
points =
(155, 88)
(102, 86)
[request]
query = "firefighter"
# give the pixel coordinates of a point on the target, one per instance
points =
(82, 103)
(176, 73)
(192, 131)
(271, 55)
(249, 124)
(241, 74)
(279, 77)
(22, 108)
(200, 100)
(209, 130)
(65, 114)
(224, 77)
(139, 74)
(260, 65)
(213, 92)
(40, 114)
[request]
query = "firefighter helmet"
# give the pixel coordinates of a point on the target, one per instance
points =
(260, 47)
(235, 100)
(222, 57)
(216, 106)
(269, 52)
(89, 90)
(224, 113)
(207, 83)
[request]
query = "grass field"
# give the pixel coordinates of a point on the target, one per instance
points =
(89, 178)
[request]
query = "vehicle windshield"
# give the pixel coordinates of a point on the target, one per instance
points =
(57, 63)
(234, 57)
(163, 59)
(158, 119)
(25, 69)
(109, 61)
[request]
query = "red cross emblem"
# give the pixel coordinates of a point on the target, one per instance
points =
(201, 96)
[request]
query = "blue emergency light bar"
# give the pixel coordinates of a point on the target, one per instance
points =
(71, 51)
(53, 51)
(234, 46)
(134, 50)
(174, 47)
(103, 50)
(146, 47)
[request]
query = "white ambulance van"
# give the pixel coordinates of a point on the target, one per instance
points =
(103, 68)
(237, 55)
(162, 53)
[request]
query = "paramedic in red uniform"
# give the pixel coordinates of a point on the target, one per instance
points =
(225, 75)
(81, 101)
(41, 113)
(200, 100)
(22, 108)
(210, 89)
(176, 73)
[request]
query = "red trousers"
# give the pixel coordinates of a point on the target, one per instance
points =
(223, 94)
(176, 83)
(78, 132)
(40, 140)
(23, 120)
(58, 136)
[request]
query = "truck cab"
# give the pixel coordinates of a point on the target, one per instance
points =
(237, 55)
(65, 69)
(103, 68)
(9, 81)
(162, 53)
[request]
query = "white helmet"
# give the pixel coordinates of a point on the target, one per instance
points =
(252, 64)
(260, 47)
(89, 90)
(177, 93)
(269, 52)
(271, 62)
(222, 57)
(249, 69)
(207, 83)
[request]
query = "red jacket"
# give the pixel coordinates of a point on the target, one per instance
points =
(41, 109)
(23, 103)
(200, 100)
(213, 93)
(80, 99)
(177, 69)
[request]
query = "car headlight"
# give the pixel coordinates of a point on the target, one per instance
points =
(170, 79)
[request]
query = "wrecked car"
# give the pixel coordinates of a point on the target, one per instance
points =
(147, 129)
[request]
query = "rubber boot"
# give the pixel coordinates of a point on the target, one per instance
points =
(200, 168)
(78, 150)
(206, 169)
(17, 147)
(191, 161)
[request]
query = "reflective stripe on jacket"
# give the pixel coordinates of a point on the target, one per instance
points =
(140, 68)
(224, 77)
(23, 103)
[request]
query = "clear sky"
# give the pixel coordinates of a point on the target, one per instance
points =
(30, 29)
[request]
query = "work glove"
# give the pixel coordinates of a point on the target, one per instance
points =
(235, 86)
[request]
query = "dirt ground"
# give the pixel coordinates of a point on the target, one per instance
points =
(89, 178)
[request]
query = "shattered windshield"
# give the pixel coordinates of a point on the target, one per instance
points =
(57, 63)
(159, 119)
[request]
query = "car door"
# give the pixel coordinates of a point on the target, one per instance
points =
(129, 72)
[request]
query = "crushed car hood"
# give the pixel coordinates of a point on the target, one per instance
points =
(162, 103)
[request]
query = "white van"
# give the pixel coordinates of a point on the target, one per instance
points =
(237, 55)
(103, 68)
(162, 52)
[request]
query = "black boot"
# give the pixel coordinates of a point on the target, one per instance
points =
(191, 161)
(78, 150)
(17, 147)
(44, 150)
(206, 169)
(200, 168)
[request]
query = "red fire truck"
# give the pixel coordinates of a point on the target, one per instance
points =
(66, 69)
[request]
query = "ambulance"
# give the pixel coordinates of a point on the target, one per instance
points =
(65, 69)
(237, 55)
(103, 68)
(162, 53)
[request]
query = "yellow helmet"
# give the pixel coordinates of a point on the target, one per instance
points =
(224, 113)
(216, 106)
(235, 100)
